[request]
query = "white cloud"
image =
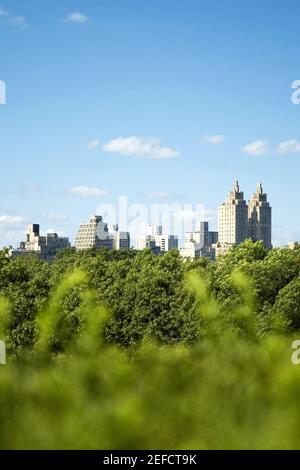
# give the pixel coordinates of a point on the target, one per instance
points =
(258, 147)
(140, 147)
(3, 12)
(52, 230)
(87, 191)
(76, 17)
(93, 144)
(288, 146)
(18, 21)
(213, 139)
(10, 219)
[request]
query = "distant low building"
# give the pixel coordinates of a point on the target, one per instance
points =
(200, 243)
(222, 248)
(190, 250)
(294, 245)
(166, 242)
(96, 234)
(156, 240)
(121, 240)
(16, 252)
(151, 245)
(45, 246)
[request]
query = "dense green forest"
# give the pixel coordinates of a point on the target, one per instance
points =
(124, 349)
(149, 295)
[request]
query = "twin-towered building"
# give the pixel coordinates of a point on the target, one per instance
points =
(238, 220)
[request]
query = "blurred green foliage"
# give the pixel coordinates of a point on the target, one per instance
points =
(125, 350)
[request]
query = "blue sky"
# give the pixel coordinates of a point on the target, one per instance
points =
(174, 76)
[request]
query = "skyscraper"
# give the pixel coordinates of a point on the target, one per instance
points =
(260, 217)
(233, 218)
(238, 221)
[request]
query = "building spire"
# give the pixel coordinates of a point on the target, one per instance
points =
(259, 188)
(236, 186)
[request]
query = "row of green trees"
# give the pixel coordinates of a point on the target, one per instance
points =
(147, 295)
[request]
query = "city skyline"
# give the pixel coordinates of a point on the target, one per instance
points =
(237, 222)
(114, 109)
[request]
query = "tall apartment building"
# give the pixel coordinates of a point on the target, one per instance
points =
(200, 243)
(232, 220)
(45, 246)
(96, 234)
(156, 240)
(238, 220)
(260, 217)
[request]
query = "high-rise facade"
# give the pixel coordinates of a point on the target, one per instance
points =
(93, 234)
(260, 217)
(238, 220)
(96, 234)
(233, 218)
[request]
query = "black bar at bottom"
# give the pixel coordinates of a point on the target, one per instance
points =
(136, 458)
